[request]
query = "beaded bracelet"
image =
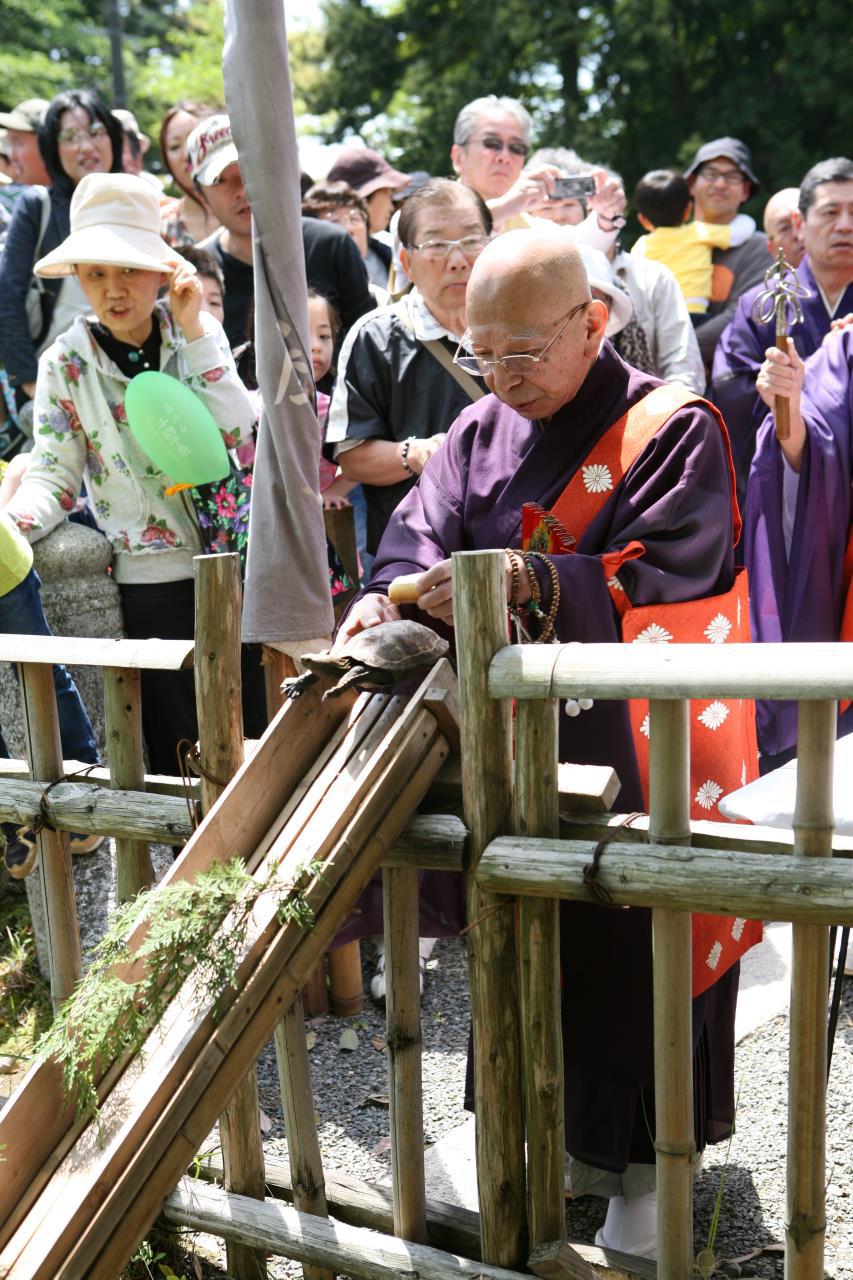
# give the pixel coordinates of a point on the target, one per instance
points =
(549, 620)
(515, 573)
(404, 455)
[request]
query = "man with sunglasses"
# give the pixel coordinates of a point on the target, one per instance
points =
(491, 142)
(721, 179)
(661, 533)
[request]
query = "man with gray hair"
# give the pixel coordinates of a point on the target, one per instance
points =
(491, 141)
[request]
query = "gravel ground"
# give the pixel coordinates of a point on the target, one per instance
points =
(349, 1088)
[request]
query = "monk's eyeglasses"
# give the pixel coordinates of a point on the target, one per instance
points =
(523, 363)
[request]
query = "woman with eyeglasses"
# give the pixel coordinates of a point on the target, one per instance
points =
(339, 202)
(79, 135)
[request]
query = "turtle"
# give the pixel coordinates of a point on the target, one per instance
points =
(375, 657)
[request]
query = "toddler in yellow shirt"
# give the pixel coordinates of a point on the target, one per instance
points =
(664, 203)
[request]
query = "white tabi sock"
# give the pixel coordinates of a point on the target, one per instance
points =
(631, 1226)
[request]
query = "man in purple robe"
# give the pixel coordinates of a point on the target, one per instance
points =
(798, 516)
(825, 218)
(557, 386)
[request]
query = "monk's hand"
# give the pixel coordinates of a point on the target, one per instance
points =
(436, 592)
(367, 612)
(782, 375)
(530, 191)
(185, 298)
(420, 451)
(843, 322)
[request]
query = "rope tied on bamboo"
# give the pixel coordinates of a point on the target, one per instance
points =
(590, 872)
(44, 818)
(189, 761)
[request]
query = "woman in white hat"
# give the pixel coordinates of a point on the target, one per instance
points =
(81, 433)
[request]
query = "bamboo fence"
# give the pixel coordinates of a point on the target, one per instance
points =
(528, 831)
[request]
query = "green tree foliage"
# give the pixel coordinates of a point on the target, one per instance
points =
(635, 86)
(171, 50)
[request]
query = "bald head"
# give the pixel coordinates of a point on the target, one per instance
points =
(528, 295)
(523, 276)
(783, 225)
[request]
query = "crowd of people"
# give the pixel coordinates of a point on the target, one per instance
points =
(492, 369)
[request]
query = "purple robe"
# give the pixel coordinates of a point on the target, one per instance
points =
(676, 499)
(802, 598)
(740, 354)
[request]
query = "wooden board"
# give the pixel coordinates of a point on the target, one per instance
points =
(238, 821)
(167, 1059)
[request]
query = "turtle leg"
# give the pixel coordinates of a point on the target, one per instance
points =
(295, 686)
(349, 678)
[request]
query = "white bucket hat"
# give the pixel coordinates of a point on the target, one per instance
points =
(600, 275)
(115, 219)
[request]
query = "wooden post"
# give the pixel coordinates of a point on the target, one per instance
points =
(41, 726)
(669, 823)
(405, 1085)
(346, 985)
(537, 814)
(479, 607)
(805, 1226)
(291, 1050)
(303, 1144)
(123, 721)
(218, 602)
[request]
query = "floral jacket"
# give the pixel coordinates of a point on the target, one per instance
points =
(81, 432)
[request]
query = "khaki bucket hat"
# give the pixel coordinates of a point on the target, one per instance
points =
(115, 219)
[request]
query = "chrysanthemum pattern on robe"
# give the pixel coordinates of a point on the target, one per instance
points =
(614, 584)
(597, 478)
(653, 634)
(717, 630)
(737, 928)
(715, 714)
(714, 955)
(644, 727)
(708, 794)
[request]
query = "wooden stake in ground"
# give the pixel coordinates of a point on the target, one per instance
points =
(669, 823)
(805, 1225)
(537, 814)
(479, 610)
(405, 1085)
(218, 601)
(291, 1049)
(123, 719)
(41, 725)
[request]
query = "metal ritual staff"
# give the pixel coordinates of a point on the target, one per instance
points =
(780, 298)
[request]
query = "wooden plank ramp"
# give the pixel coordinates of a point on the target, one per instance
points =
(321, 787)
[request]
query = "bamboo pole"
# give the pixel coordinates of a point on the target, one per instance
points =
(123, 721)
(805, 1225)
(41, 727)
(479, 607)
(303, 1143)
(357, 1252)
(722, 882)
(218, 601)
(346, 984)
(673, 671)
(536, 813)
(669, 822)
(291, 1049)
(405, 1085)
(75, 806)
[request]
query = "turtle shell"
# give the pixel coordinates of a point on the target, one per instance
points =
(395, 646)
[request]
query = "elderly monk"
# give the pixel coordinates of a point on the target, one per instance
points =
(557, 387)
